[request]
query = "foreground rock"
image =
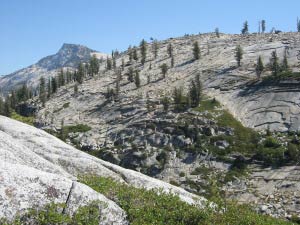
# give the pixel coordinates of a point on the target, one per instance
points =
(37, 168)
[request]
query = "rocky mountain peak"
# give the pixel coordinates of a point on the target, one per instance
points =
(69, 55)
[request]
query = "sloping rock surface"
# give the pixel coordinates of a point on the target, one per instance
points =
(37, 168)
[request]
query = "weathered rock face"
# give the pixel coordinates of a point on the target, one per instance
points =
(37, 168)
(68, 57)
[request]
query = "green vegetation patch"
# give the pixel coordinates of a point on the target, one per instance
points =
(23, 119)
(155, 207)
(79, 128)
(52, 215)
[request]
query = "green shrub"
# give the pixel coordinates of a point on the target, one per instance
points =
(52, 214)
(80, 128)
(28, 120)
(155, 207)
(271, 142)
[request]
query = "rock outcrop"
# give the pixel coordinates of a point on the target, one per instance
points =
(37, 168)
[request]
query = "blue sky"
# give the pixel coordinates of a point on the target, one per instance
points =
(32, 29)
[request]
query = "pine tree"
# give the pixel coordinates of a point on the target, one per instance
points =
(164, 69)
(114, 62)
(134, 54)
(49, 88)
(259, 67)
(155, 48)
(245, 29)
(170, 50)
(130, 53)
(61, 78)
(274, 63)
(130, 74)
(143, 47)
(263, 26)
(166, 103)
(53, 85)
(108, 63)
(238, 55)
(42, 95)
(1, 106)
(172, 61)
(137, 80)
(298, 25)
(13, 100)
(118, 80)
(123, 64)
(80, 73)
(178, 98)
(285, 64)
(6, 108)
(217, 32)
(195, 91)
(196, 51)
(94, 65)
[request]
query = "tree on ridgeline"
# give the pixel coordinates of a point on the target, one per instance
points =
(155, 47)
(170, 50)
(263, 26)
(94, 65)
(196, 50)
(143, 48)
(245, 29)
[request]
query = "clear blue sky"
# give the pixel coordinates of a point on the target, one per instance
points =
(32, 29)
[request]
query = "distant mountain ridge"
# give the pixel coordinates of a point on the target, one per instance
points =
(68, 56)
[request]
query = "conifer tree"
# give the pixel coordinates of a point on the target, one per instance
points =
(155, 48)
(6, 108)
(108, 63)
(170, 50)
(80, 73)
(298, 25)
(130, 74)
(130, 53)
(172, 61)
(137, 80)
(238, 55)
(164, 69)
(285, 64)
(195, 91)
(42, 95)
(263, 26)
(178, 98)
(143, 47)
(274, 63)
(94, 65)
(217, 32)
(166, 103)
(134, 54)
(49, 88)
(53, 85)
(196, 51)
(245, 29)
(1, 106)
(61, 78)
(259, 67)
